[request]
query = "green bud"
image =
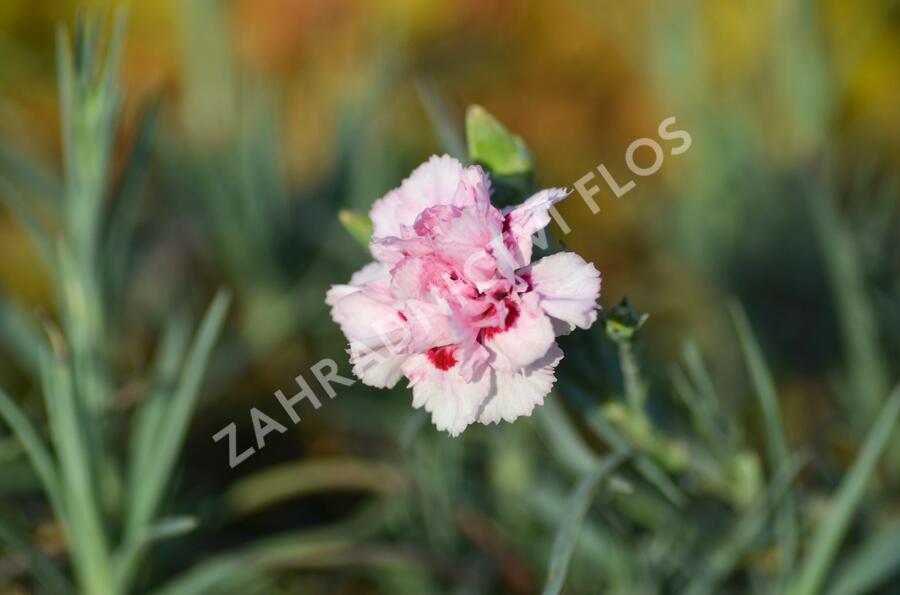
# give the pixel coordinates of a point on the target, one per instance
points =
(502, 154)
(358, 226)
(745, 474)
(493, 146)
(622, 321)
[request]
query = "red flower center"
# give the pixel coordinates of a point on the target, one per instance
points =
(442, 357)
(512, 314)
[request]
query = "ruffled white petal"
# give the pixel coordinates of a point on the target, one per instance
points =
(529, 217)
(378, 367)
(372, 272)
(435, 182)
(517, 393)
(452, 402)
(527, 340)
(432, 325)
(569, 287)
(473, 360)
(367, 321)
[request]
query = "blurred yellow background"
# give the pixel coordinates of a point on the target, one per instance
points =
(578, 80)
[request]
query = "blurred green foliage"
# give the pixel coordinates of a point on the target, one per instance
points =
(739, 440)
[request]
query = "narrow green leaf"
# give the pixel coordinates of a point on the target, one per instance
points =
(449, 133)
(704, 421)
(124, 217)
(658, 478)
(220, 576)
(866, 367)
(83, 323)
(292, 480)
(177, 417)
(358, 226)
(150, 414)
(69, 427)
(827, 537)
(764, 387)
(870, 565)
(36, 450)
(635, 389)
(776, 438)
(724, 557)
(109, 75)
(249, 568)
(643, 464)
(577, 505)
(702, 380)
(596, 543)
(723, 432)
(89, 101)
(494, 147)
(127, 559)
(21, 336)
(562, 437)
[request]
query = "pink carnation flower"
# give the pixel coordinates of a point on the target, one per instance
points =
(454, 303)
